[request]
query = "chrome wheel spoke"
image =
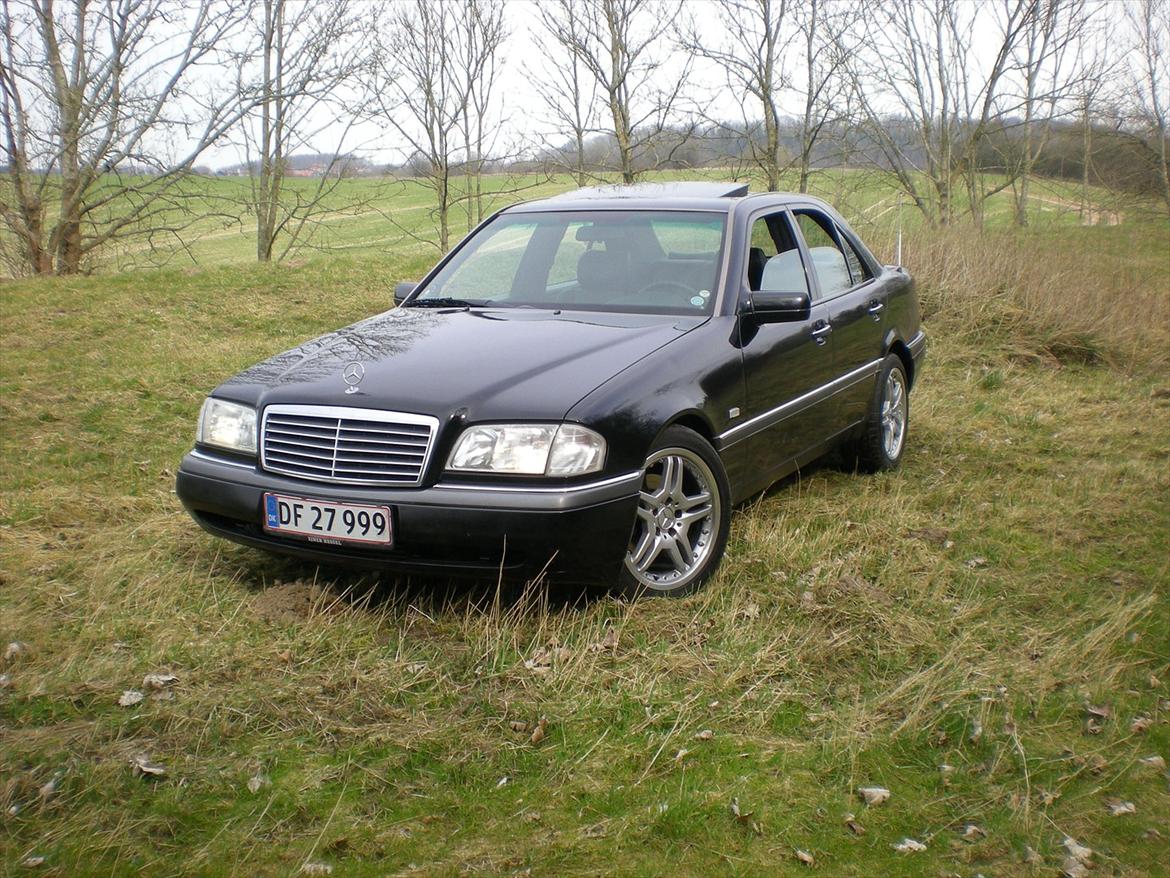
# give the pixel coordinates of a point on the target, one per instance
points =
(646, 551)
(689, 503)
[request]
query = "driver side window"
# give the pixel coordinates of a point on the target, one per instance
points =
(774, 263)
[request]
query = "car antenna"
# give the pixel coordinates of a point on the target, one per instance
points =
(898, 254)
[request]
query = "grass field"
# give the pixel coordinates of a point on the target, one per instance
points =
(985, 632)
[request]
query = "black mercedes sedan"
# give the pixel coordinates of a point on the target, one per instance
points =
(585, 387)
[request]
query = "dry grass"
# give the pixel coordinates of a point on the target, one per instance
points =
(1077, 295)
(961, 612)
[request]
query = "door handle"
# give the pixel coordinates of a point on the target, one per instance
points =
(875, 308)
(821, 333)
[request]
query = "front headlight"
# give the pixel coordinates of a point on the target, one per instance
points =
(227, 425)
(529, 449)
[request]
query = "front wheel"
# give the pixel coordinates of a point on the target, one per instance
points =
(881, 445)
(683, 518)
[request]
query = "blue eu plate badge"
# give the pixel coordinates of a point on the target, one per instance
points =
(271, 511)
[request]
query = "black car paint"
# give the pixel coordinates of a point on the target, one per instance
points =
(628, 376)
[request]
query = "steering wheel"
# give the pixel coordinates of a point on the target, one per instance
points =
(667, 287)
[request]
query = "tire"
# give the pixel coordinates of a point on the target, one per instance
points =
(883, 440)
(680, 529)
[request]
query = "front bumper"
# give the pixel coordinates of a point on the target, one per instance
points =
(579, 533)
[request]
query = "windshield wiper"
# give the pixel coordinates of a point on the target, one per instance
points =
(445, 302)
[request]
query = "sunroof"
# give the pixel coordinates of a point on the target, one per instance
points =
(682, 189)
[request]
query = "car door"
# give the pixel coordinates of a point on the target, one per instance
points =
(785, 364)
(855, 305)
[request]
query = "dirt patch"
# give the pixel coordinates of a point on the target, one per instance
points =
(290, 602)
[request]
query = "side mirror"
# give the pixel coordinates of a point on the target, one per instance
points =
(403, 289)
(762, 307)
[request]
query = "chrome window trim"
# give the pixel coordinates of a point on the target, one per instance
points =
(780, 412)
(359, 414)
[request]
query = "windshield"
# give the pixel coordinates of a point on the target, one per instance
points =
(629, 260)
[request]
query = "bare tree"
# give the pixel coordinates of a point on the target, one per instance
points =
(1150, 81)
(483, 34)
(918, 70)
(306, 53)
(104, 117)
(1046, 59)
(751, 58)
(432, 83)
(623, 46)
(825, 29)
(414, 89)
(567, 89)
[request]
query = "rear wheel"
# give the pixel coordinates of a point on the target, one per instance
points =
(884, 440)
(683, 517)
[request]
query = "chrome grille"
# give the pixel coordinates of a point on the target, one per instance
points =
(351, 445)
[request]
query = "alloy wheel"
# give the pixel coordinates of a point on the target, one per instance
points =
(678, 520)
(894, 414)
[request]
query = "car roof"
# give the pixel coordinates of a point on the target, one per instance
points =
(674, 195)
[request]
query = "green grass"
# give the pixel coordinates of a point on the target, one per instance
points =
(1013, 571)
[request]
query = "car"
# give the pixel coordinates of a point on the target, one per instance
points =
(584, 388)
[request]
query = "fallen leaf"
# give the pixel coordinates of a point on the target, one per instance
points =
(130, 697)
(1140, 724)
(538, 733)
(32, 862)
(936, 536)
(1152, 834)
(1031, 856)
(316, 869)
(853, 826)
(258, 781)
(1103, 711)
(751, 611)
(909, 846)
(744, 818)
(1153, 682)
(805, 857)
(1047, 797)
(285, 655)
(976, 562)
(973, 832)
(503, 782)
(143, 765)
(609, 642)
(15, 650)
(518, 725)
(1117, 808)
(1154, 761)
(5, 681)
(1073, 868)
(49, 788)
(705, 735)
(597, 830)
(158, 682)
(874, 795)
(976, 730)
(681, 755)
(1076, 850)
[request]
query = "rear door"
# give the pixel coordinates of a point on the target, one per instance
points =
(785, 364)
(855, 304)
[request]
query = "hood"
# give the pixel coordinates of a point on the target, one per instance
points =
(484, 364)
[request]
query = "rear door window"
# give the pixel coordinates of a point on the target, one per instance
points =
(828, 260)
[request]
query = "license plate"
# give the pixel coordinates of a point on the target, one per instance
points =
(325, 522)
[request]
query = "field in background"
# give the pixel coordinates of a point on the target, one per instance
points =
(985, 632)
